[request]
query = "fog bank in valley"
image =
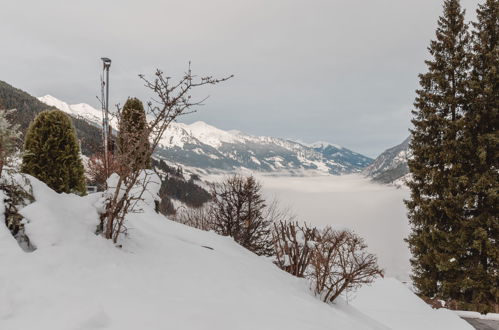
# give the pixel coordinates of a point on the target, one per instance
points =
(376, 212)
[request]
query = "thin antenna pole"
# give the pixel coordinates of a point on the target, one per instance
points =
(105, 122)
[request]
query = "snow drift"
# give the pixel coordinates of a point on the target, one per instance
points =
(169, 276)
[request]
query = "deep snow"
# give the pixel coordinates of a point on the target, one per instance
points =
(166, 277)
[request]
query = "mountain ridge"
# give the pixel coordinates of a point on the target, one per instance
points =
(391, 165)
(204, 146)
(28, 107)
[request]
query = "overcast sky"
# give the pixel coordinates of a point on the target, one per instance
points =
(342, 71)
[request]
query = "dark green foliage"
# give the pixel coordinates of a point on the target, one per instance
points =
(52, 154)
(438, 177)
(195, 177)
(392, 174)
(28, 107)
(165, 206)
(454, 191)
(481, 231)
(16, 197)
(133, 143)
(9, 136)
(187, 192)
(238, 210)
(174, 185)
(163, 167)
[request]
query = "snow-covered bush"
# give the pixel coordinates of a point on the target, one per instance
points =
(293, 246)
(123, 199)
(340, 263)
(16, 192)
(335, 261)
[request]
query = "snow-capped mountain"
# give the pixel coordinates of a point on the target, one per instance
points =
(391, 165)
(203, 146)
(81, 110)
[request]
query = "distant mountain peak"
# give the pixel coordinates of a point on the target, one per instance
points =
(79, 110)
(317, 144)
(211, 135)
(201, 145)
(391, 165)
(324, 144)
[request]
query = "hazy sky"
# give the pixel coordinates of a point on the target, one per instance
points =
(342, 71)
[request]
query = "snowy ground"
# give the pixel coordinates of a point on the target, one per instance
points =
(169, 276)
(376, 212)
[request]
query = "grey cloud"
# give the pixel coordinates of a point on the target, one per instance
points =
(339, 70)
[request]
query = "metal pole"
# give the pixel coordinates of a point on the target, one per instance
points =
(107, 63)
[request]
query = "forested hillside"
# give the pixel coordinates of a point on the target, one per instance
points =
(28, 107)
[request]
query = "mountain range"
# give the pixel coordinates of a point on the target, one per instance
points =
(206, 148)
(202, 146)
(391, 165)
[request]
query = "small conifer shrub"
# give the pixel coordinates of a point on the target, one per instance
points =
(52, 153)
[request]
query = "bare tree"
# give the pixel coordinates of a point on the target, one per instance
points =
(237, 210)
(172, 99)
(340, 263)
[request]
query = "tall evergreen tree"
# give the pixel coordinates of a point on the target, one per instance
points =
(52, 153)
(438, 177)
(133, 144)
(481, 228)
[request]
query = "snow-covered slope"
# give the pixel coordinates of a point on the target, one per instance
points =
(168, 276)
(401, 309)
(200, 145)
(80, 110)
(391, 165)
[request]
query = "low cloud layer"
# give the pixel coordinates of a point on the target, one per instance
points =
(375, 212)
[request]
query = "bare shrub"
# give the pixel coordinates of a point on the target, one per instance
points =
(195, 217)
(172, 99)
(334, 261)
(293, 246)
(340, 263)
(97, 169)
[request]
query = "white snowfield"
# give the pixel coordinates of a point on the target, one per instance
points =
(169, 276)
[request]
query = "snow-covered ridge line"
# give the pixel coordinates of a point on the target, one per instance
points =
(391, 166)
(202, 131)
(80, 110)
(476, 315)
(203, 146)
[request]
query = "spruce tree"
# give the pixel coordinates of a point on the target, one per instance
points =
(52, 153)
(481, 228)
(436, 204)
(133, 143)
